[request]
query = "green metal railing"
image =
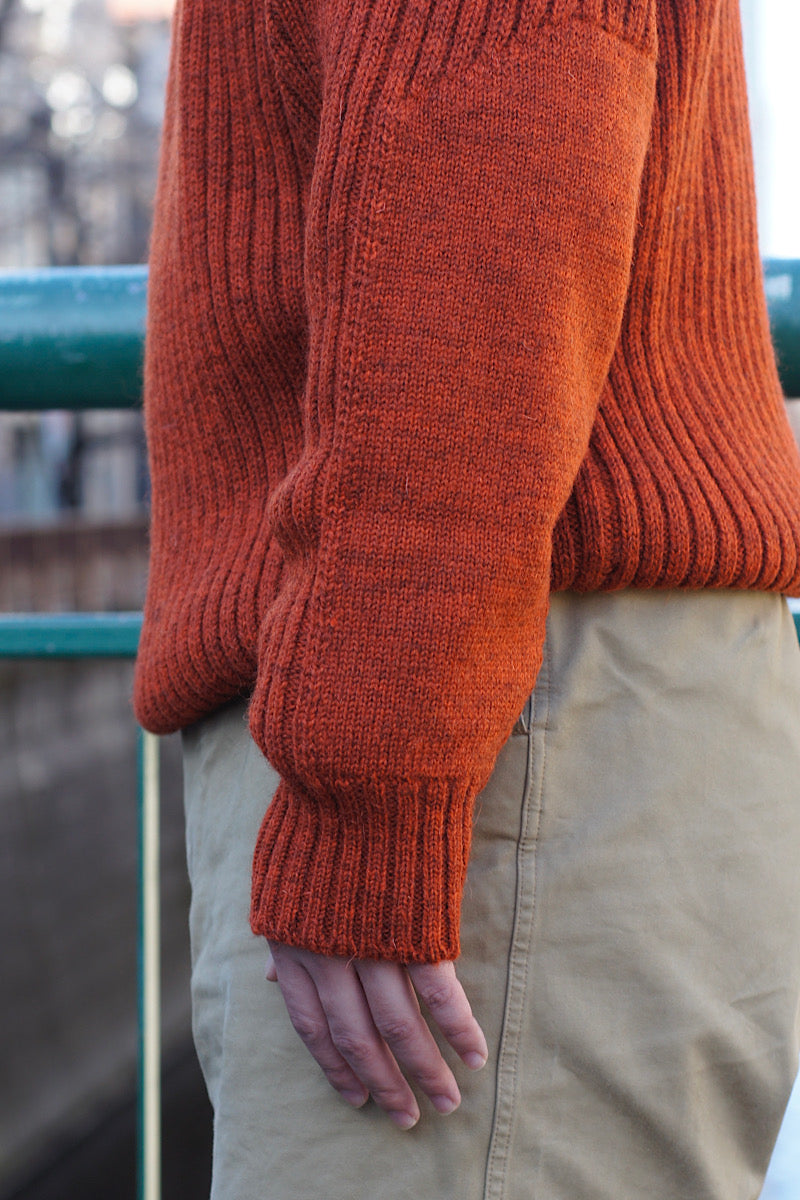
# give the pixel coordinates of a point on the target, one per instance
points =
(69, 635)
(71, 338)
(116, 635)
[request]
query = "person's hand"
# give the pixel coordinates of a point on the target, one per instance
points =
(361, 1021)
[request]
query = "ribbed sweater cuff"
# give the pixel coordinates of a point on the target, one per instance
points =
(381, 878)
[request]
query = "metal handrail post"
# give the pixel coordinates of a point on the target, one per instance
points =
(149, 975)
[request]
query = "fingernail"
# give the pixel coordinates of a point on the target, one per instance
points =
(475, 1060)
(355, 1098)
(405, 1120)
(444, 1104)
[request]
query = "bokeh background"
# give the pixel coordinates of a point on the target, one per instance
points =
(81, 101)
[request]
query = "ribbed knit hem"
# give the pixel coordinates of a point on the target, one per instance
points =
(379, 879)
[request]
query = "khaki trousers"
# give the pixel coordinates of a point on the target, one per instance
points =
(631, 933)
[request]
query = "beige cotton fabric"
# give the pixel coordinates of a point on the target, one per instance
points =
(631, 932)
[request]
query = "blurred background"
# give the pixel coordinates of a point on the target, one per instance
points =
(81, 98)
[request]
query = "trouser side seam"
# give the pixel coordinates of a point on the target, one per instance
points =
(519, 960)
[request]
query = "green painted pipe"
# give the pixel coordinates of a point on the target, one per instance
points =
(69, 635)
(71, 337)
(782, 283)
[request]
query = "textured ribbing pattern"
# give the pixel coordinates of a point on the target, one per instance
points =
(691, 475)
(452, 302)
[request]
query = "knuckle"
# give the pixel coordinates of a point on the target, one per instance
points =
(459, 1029)
(310, 1031)
(397, 1030)
(339, 1075)
(352, 1046)
(433, 1076)
(439, 996)
(388, 1096)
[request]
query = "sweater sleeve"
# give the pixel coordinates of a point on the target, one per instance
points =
(468, 246)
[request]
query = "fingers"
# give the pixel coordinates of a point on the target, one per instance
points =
(362, 1023)
(328, 1009)
(397, 1018)
(441, 992)
(357, 1038)
(311, 1025)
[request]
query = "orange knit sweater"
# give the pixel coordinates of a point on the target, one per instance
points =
(452, 303)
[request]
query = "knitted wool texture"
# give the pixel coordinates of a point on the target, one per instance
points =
(451, 302)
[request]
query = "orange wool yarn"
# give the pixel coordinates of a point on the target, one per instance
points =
(452, 303)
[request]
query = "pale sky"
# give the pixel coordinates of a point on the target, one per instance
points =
(133, 10)
(772, 44)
